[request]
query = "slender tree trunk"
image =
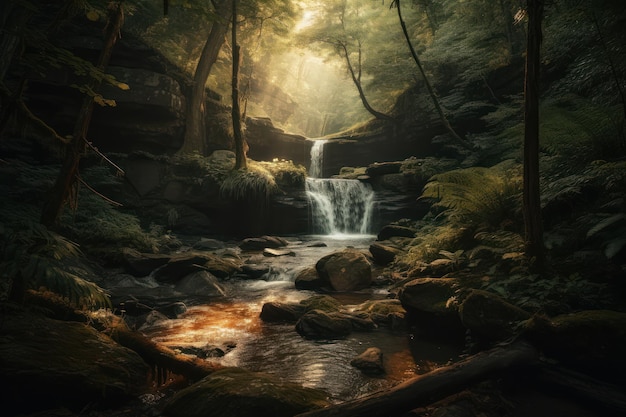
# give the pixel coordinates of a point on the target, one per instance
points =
(431, 90)
(241, 161)
(195, 131)
(531, 199)
(356, 78)
(66, 186)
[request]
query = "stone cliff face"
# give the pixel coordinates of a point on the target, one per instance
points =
(150, 116)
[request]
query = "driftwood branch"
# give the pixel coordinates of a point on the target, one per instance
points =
(433, 386)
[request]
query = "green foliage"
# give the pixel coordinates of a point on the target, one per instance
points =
(577, 132)
(285, 173)
(253, 185)
(431, 242)
(477, 197)
(98, 225)
(552, 295)
(43, 259)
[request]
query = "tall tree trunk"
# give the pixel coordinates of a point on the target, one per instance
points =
(431, 90)
(195, 131)
(531, 199)
(66, 186)
(241, 161)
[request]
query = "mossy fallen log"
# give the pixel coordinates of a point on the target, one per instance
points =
(433, 386)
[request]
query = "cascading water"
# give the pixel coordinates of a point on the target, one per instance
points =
(338, 206)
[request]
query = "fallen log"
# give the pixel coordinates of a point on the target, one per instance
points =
(433, 386)
(161, 357)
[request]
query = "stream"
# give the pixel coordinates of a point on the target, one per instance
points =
(232, 324)
(341, 214)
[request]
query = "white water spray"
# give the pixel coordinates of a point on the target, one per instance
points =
(338, 206)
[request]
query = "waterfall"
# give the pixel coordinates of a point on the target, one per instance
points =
(338, 206)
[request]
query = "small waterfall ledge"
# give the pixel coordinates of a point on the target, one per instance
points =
(338, 206)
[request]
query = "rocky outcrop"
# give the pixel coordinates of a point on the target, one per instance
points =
(268, 143)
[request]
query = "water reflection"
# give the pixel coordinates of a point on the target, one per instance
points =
(233, 325)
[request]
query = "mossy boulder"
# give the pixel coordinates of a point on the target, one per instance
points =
(432, 306)
(50, 362)
(235, 392)
(388, 312)
(593, 341)
(317, 324)
(347, 270)
(308, 279)
(490, 316)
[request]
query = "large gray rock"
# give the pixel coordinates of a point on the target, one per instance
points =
(234, 392)
(347, 270)
(51, 363)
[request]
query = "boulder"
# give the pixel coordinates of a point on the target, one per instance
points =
(184, 264)
(51, 362)
(209, 244)
(347, 270)
(317, 324)
(432, 306)
(383, 254)
(391, 230)
(388, 312)
(274, 312)
(255, 271)
(489, 316)
(234, 392)
(370, 362)
(383, 168)
(269, 252)
(142, 264)
(309, 279)
(200, 284)
(592, 341)
(260, 243)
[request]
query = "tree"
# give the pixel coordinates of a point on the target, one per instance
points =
(531, 196)
(240, 145)
(66, 185)
(431, 91)
(195, 131)
(343, 29)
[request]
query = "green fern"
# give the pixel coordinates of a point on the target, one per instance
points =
(33, 256)
(477, 196)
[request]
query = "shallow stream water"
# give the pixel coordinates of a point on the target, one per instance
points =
(233, 321)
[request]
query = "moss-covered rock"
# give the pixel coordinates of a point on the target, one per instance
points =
(234, 392)
(489, 316)
(51, 362)
(593, 341)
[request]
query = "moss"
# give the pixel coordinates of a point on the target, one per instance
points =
(234, 392)
(324, 303)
